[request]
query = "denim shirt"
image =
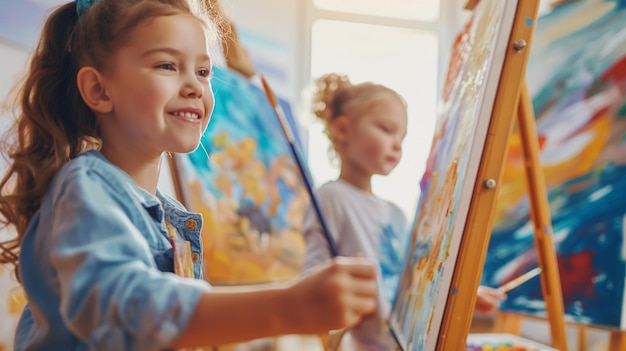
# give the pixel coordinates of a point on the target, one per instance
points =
(96, 264)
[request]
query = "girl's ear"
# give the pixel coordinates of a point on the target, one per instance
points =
(91, 87)
(340, 131)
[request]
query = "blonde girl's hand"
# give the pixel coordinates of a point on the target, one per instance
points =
(337, 295)
(488, 299)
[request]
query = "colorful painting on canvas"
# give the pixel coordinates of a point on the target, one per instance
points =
(244, 182)
(577, 77)
(447, 185)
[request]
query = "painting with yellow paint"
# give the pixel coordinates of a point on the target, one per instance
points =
(446, 187)
(244, 182)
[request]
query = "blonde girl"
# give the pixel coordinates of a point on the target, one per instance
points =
(366, 124)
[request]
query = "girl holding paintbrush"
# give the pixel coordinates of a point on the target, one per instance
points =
(366, 124)
(104, 257)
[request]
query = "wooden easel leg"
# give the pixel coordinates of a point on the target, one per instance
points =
(583, 340)
(324, 341)
(332, 340)
(617, 340)
(540, 218)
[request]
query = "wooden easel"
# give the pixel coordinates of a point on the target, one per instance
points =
(465, 282)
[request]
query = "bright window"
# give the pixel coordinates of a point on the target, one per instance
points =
(424, 10)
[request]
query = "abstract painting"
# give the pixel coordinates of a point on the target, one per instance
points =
(244, 182)
(577, 78)
(447, 185)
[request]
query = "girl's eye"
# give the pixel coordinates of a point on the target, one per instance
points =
(167, 66)
(204, 72)
(385, 129)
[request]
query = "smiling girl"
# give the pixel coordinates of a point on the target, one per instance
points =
(105, 259)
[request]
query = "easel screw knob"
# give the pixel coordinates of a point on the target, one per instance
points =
(489, 183)
(519, 45)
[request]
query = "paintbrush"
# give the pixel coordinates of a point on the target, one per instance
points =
(520, 280)
(282, 120)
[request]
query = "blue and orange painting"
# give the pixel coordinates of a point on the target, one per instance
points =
(577, 77)
(243, 180)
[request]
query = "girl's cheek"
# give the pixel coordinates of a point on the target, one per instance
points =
(372, 148)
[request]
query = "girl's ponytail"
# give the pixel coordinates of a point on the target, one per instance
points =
(54, 125)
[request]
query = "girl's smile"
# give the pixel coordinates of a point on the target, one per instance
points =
(193, 115)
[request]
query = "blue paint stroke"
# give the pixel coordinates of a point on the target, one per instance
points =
(529, 21)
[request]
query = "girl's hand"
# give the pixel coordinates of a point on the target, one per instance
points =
(488, 299)
(335, 296)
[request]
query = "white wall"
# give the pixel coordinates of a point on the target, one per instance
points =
(280, 22)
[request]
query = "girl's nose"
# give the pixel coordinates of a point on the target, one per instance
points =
(397, 144)
(192, 90)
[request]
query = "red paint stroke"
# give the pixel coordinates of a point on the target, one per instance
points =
(616, 72)
(576, 272)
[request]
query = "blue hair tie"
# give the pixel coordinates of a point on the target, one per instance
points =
(83, 5)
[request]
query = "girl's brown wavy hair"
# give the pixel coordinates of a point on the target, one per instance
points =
(53, 123)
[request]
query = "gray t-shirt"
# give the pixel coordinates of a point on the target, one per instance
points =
(361, 224)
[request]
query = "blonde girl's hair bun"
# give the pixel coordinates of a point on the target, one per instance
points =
(324, 95)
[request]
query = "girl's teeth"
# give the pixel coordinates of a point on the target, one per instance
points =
(186, 115)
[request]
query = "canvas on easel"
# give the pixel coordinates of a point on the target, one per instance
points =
(452, 223)
(577, 80)
(244, 182)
